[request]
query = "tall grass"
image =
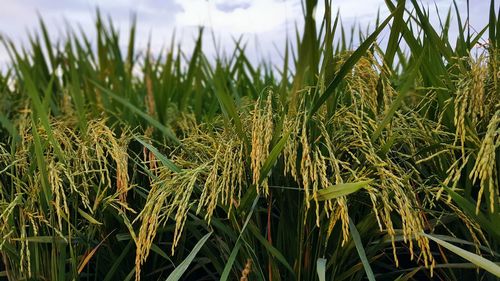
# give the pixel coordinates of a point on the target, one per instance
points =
(341, 164)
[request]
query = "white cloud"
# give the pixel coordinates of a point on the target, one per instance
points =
(244, 17)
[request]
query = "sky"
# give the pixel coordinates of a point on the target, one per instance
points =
(264, 24)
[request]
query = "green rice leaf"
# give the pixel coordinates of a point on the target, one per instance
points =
(341, 189)
(237, 246)
(88, 217)
(179, 270)
(273, 156)
(43, 239)
(481, 262)
(270, 248)
(164, 160)
(470, 209)
(10, 127)
(361, 250)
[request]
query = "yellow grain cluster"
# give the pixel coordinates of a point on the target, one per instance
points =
(485, 166)
(344, 153)
(69, 164)
(262, 134)
(470, 99)
(211, 162)
(225, 178)
(362, 83)
(170, 196)
(340, 150)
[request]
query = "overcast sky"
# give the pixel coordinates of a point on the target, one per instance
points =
(267, 20)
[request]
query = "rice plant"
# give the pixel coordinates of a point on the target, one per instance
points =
(372, 162)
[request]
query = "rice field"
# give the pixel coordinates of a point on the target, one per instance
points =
(377, 161)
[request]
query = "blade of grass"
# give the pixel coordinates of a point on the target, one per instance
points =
(481, 262)
(273, 156)
(270, 248)
(164, 160)
(90, 254)
(238, 244)
(342, 189)
(396, 28)
(361, 250)
(470, 209)
(181, 268)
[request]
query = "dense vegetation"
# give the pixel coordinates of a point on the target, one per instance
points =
(376, 162)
